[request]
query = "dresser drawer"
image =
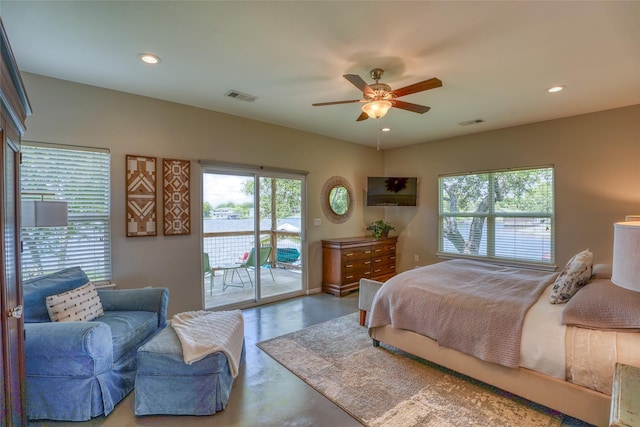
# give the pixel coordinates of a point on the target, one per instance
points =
(350, 265)
(383, 260)
(382, 270)
(383, 250)
(355, 276)
(355, 253)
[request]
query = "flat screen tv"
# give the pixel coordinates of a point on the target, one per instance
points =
(392, 191)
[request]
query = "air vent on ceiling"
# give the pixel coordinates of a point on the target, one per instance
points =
(241, 96)
(471, 122)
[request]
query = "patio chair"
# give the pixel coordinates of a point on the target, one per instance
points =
(249, 263)
(206, 267)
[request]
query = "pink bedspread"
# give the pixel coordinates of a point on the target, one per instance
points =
(473, 307)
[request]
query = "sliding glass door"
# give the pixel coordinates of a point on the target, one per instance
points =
(252, 237)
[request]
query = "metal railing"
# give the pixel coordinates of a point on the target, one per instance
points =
(229, 247)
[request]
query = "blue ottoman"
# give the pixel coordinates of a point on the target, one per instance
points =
(166, 385)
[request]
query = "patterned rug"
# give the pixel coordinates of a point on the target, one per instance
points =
(386, 387)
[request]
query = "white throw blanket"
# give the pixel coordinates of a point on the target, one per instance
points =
(205, 332)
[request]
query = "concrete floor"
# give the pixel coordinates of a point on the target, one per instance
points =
(264, 393)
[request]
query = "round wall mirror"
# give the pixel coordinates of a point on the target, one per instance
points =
(337, 199)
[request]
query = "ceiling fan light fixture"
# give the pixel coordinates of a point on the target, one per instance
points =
(377, 109)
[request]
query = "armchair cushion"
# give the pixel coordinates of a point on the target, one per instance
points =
(129, 329)
(38, 289)
(146, 299)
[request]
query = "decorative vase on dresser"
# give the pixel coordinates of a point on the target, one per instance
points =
(345, 261)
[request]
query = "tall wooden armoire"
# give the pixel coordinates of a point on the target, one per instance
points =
(14, 108)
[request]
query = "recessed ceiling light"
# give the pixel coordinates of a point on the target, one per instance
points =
(386, 129)
(555, 89)
(149, 58)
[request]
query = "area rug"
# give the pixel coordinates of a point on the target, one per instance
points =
(384, 386)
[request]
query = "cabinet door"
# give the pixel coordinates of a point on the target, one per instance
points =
(11, 332)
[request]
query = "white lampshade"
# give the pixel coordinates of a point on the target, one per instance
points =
(377, 109)
(44, 213)
(626, 255)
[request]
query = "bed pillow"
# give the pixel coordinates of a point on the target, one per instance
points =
(601, 271)
(80, 304)
(603, 305)
(574, 275)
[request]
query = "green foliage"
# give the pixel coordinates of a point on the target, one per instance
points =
(206, 210)
(288, 196)
(380, 228)
(529, 191)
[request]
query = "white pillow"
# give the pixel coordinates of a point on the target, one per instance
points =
(574, 276)
(79, 304)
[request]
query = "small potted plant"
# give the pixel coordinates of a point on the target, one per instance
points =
(380, 228)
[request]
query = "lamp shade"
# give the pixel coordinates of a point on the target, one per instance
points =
(377, 109)
(626, 255)
(44, 213)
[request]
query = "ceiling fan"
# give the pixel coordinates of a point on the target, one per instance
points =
(379, 97)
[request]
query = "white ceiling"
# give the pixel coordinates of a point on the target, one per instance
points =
(495, 59)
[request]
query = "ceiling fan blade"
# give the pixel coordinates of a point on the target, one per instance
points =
(418, 87)
(357, 81)
(411, 107)
(362, 116)
(320, 104)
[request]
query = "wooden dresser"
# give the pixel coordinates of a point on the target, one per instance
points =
(346, 261)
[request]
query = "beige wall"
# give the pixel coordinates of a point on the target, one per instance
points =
(597, 178)
(596, 159)
(69, 113)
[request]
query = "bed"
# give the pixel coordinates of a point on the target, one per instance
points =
(561, 355)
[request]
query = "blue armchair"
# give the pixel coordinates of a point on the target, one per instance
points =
(79, 370)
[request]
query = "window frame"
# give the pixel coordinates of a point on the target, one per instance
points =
(89, 211)
(490, 221)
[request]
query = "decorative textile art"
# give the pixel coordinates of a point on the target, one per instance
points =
(176, 196)
(141, 196)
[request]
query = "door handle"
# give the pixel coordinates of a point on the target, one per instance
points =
(16, 312)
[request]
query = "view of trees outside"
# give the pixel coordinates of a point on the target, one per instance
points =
(288, 199)
(517, 198)
(287, 192)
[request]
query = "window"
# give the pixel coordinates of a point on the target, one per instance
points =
(501, 215)
(79, 176)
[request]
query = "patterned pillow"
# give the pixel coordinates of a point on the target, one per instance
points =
(574, 276)
(79, 304)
